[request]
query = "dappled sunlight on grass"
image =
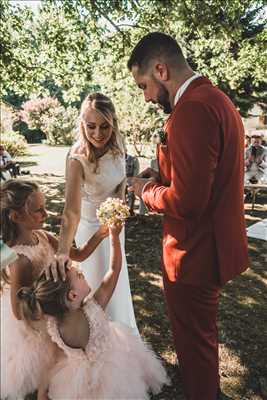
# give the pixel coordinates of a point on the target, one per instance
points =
(154, 279)
(137, 298)
(232, 370)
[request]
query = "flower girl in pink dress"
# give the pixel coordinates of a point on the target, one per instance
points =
(99, 359)
(26, 350)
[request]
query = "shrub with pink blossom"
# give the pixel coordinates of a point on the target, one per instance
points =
(55, 121)
(59, 125)
(34, 110)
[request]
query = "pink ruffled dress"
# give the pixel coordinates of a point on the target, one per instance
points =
(26, 352)
(116, 364)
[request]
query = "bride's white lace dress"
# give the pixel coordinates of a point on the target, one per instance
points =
(96, 188)
(114, 365)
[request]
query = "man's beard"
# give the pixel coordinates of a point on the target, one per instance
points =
(163, 99)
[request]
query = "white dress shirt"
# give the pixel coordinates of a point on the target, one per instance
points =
(184, 86)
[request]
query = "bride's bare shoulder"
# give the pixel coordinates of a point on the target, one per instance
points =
(77, 148)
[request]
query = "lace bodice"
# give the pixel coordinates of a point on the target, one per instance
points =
(40, 255)
(99, 341)
(97, 186)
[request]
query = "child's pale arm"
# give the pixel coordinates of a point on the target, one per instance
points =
(83, 252)
(106, 289)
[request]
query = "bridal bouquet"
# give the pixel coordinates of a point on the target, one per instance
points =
(112, 211)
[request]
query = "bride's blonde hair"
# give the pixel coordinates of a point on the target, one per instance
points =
(104, 106)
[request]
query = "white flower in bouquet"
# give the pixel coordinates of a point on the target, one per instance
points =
(112, 211)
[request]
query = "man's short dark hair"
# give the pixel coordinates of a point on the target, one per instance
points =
(155, 45)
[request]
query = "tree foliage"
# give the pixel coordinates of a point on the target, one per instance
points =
(19, 71)
(71, 47)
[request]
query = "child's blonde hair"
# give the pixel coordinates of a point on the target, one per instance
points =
(104, 106)
(14, 195)
(43, 297)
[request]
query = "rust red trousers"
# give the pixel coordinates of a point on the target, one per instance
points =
(193, 312)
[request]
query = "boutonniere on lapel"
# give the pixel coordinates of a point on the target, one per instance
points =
(159, 137)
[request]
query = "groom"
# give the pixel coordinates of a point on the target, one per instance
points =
(199, 189)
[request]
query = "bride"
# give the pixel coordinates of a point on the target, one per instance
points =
(95, 170)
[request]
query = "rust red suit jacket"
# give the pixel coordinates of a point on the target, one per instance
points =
(201, 189)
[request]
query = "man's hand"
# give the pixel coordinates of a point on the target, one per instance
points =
(136, 185)
(57, 269)
(149, 173)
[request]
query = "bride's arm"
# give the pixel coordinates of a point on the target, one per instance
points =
(70, 218)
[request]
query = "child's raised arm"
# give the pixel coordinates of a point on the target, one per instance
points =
(106, 289)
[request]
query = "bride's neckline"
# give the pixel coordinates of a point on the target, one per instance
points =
(102, 154)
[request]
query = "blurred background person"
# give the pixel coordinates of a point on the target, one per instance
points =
(7, 164)
(255, 160)
(132, 169)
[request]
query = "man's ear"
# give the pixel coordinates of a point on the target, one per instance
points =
(14, 216)
(161, 72)
(71, 296)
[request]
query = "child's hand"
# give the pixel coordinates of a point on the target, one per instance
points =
(115, 229)
(103, 231)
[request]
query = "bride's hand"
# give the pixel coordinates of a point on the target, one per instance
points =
(57, 269)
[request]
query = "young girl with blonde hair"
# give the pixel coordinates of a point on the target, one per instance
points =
(100, 359)
(95, 171)
(26, 351)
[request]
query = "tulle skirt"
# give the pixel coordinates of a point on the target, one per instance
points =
(129, 369)
(26, 354)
